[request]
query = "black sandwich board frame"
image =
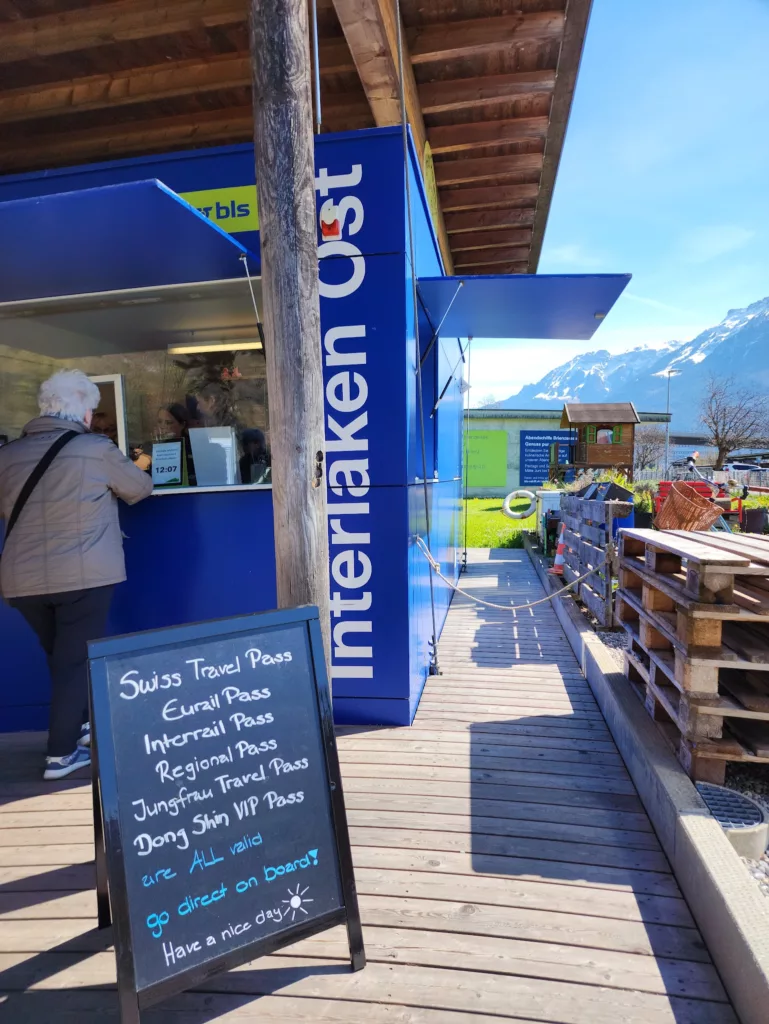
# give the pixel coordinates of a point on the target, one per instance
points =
(112, 899)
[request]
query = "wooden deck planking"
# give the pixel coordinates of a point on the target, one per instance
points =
(505, 866)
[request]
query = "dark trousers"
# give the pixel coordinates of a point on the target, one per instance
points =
(64, 623)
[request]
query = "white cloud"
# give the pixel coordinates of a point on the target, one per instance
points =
(705, 243)
(572, 255)
(654, 303)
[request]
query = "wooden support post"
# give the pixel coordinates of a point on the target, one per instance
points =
(280, 58)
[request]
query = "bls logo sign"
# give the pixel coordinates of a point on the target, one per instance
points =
(232, 209)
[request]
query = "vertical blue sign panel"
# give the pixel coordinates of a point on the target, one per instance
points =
(535, 454)
(362, 296)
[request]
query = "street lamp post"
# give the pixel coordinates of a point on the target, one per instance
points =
(669, 374)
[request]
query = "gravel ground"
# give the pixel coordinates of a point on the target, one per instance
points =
(753, 781)
(616, 641)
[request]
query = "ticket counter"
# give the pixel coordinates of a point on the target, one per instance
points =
(147, 271)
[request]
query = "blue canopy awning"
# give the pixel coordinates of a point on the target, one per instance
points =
(135, 235)
(567, 306)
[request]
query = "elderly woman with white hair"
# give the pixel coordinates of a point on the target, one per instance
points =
(63, 549)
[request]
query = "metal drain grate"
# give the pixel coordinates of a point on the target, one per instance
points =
(730, 809)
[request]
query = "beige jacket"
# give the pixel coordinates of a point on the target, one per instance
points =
(68, 535)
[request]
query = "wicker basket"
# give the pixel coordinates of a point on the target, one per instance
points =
(685, 509)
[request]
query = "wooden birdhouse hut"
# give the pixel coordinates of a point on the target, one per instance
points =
(602, 436)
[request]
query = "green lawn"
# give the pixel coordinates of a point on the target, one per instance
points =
(487, 527)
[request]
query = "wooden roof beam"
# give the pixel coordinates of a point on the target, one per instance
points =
(466, 93)
(486, 168)
(480, 36)
(484, 258)
(101, 24)
(492, 220)
(371, 30)
(570, 56)
(236, 124)
(146, 84)
(493, 268)
(458, 199)
(485, 240)
(455, 138)
(122, 88)
(155, 136)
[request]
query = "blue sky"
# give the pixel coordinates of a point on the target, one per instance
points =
(664, 174)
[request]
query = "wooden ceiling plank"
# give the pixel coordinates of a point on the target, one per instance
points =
(492, 268)
(234, 125)
(103, 24)
(479, 36)
(461, 223)
(486, 240)
(455, 138)
(137, 85)
(465, 93)
(371, 30)
(477, 198)
(335, 57)
(570, 56)
(485, 258)
(146, 84)
(485, 168)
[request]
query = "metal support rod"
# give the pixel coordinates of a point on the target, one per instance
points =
(446, 386)
(316, 68)
(667, 430)
(437, 330)
(259, 324)
(434, 666)
(464, 454)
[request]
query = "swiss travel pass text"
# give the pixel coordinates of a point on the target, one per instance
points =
(197, 725)
(231, 688)
(347, 443)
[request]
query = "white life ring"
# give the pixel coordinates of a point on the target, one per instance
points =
(506, 510)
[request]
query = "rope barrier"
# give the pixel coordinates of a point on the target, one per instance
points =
(504, 607)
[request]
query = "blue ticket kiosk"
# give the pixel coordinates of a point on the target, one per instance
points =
(117, 265)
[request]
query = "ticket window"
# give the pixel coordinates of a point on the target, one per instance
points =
(196, 416)
(190, 416)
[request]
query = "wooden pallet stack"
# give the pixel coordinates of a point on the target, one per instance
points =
(696, 607)
(588, 528)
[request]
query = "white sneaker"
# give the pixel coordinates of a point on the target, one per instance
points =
(85, 735)
(59, 767)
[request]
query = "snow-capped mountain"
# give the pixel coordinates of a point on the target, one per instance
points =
(738, 347)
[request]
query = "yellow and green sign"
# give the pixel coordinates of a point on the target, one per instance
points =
(431, 187)
(232, 209)
(486, 455)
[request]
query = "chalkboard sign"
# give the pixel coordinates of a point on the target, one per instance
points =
(221, 832)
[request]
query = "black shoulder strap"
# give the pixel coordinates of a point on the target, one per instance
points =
(35, 476)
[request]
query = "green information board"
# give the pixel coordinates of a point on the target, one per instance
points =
(486, 454)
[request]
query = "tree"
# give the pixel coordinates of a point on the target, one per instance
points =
(649, 446)
(734, 417)
(487, 401)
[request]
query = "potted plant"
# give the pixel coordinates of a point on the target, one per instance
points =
(643, 513)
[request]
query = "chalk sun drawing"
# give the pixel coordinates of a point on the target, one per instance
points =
(297, 901)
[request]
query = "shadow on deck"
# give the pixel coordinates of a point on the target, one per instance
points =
(506, 868)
